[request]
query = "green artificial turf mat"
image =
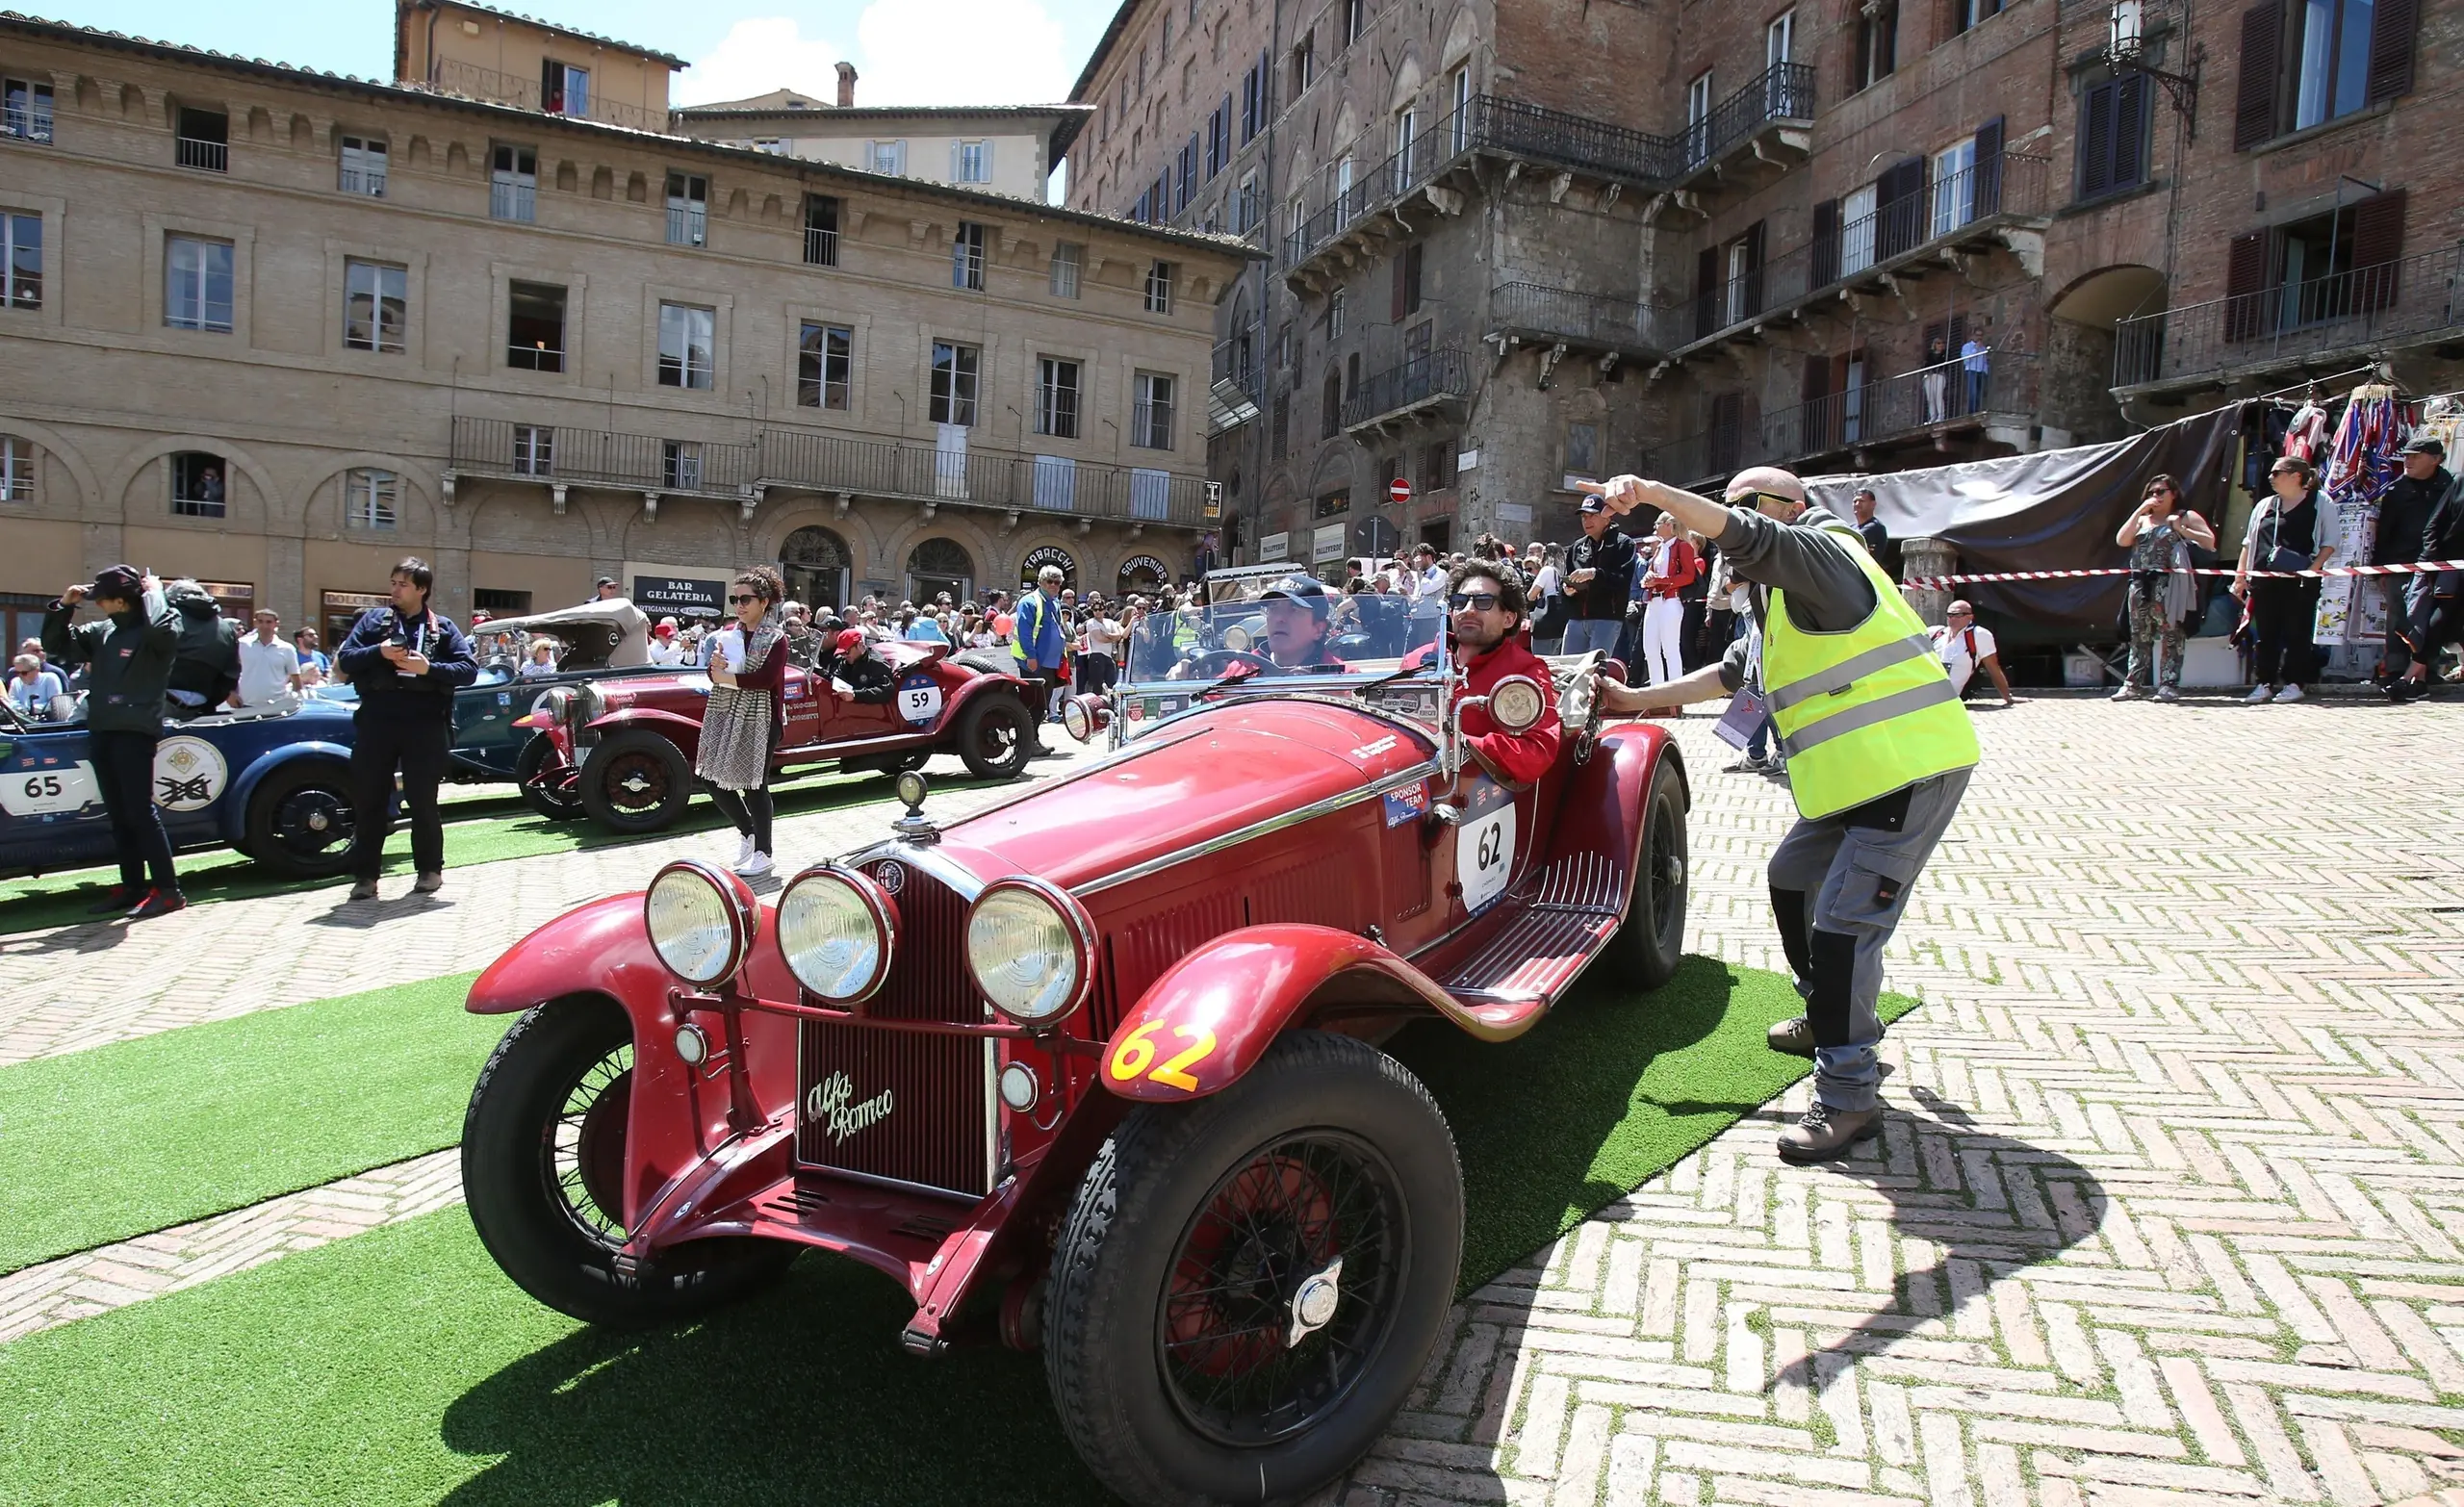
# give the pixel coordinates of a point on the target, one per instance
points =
(136, 1136)
(27, 904)
(401, 1366)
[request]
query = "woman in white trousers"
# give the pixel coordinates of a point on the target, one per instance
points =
(1675, 563)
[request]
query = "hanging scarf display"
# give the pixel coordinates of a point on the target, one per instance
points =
(2361, 465)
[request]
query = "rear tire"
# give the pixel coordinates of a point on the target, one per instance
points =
(1648, 946)
(527, 765)
(543, 1158)
(301, 822)
(636, 781)
(1188, 1257)
(996, 736)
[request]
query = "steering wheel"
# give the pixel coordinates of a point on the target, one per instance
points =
(1215, 664)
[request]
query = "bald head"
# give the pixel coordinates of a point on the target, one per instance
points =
(1769, 489)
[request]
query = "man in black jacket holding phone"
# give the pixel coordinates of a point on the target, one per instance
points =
(407, 661)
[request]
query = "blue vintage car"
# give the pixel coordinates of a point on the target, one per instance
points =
(273, 785)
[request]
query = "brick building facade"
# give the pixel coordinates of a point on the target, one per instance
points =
(277, 329)
(1575, 239)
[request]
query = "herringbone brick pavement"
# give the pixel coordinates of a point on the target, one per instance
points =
(80, 986)
(2167, 1211)
(2168, 1207)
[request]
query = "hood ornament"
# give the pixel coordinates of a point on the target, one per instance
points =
(914, 826)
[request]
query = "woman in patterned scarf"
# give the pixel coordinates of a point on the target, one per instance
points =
(742, 723)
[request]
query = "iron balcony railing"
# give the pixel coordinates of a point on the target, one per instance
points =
(825, 462)
(472, 82)
(1873, 412)
(2404, 301)
(1486, 122)
(1589, 319)
(2009, 187)
(821, 246)
(1781, 91)
(203, 155)
(1236, 361)
(1419, 379)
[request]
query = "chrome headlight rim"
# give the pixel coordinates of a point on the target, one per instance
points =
(1075, 919)
(742, 913)
(877, 902)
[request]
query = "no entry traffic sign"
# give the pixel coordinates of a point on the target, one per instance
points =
(1399, 490)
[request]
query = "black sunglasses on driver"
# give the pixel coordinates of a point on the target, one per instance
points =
(1476, 601)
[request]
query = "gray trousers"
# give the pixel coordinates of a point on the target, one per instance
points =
(1837, 892)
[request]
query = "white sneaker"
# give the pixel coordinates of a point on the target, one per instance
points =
(2167, 693)
(2127, 693)
(2291, 693)
(754, 863)
(743, 852)
(2260, 693)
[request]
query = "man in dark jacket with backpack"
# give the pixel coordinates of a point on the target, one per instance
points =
(407, 661)
(128, 658)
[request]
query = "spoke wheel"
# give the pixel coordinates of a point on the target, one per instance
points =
(1266, 1233)
(584, 1148)
(301, 820)
(636, 781)
(995, 735)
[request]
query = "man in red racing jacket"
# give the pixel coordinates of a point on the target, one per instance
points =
(1485, 605)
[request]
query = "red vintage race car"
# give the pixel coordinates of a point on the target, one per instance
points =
(622, 749)
(1095, 1070)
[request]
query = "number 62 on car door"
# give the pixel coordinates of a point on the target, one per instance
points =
(1484, 844)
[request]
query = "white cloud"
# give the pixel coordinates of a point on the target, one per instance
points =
(759, 55)
(960, 52)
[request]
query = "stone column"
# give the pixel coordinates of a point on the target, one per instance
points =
(1920, 559)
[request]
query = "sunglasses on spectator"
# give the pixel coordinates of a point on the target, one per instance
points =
(1476, 601)
(739, 601)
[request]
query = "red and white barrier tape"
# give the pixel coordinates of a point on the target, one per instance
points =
(2421, 568)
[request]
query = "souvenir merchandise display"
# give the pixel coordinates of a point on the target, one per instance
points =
(2360, 467)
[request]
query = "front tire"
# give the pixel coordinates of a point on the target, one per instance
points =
(636, 781)
(1248, 1285)
(542, 1164)
(996, 736)
(301, 822)
(1648, 946)
(527, 767)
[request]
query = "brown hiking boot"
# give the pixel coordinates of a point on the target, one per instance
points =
(1824, 1133)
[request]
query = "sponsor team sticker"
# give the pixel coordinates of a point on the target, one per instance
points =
(1407, 804)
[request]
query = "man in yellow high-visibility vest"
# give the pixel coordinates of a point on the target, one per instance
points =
(1879, 751)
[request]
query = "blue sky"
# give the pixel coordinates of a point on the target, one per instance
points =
(948, 52)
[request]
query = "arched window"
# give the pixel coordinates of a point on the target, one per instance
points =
(940, 565)
(816, 563)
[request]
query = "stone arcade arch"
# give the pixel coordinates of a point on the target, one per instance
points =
(818, 567)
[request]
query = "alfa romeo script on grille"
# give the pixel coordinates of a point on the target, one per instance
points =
(831, 1102)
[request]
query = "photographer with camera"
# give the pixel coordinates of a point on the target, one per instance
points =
(407, 661)
(128, 665)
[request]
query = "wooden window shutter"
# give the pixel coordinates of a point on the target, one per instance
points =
(1706, 292)
(2245, 276)
(1818, 427)
(1826, 242)
(2377, 243)
(1988, 167)
(2255, 92)
(1398, 311)
(2096, 139)
(1753, 267)
(2391, 49)
(2130, 131)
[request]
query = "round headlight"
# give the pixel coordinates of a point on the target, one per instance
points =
(911, 789)
(1237, 639)
(836, 928)
(1516, 702)
(1032, 950)
(1075, 719)
(700, 921)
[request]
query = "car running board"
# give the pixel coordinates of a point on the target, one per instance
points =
(1545, 933)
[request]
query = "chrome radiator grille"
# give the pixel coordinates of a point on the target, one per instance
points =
(898, 1105)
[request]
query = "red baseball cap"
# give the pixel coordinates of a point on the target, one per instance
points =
(850, 640)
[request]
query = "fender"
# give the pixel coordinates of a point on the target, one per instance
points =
(678, 1112)
(233, 815)
(686, 731)
(984, 683)
(1206, 1022)
(1602, 809)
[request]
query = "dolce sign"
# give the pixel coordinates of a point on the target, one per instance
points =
(680, 597)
